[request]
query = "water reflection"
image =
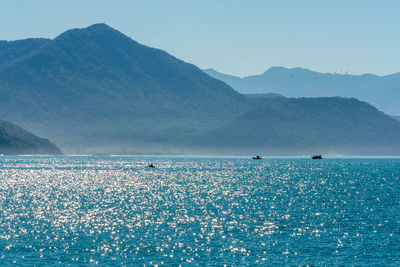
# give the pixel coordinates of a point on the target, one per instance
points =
(108, 210)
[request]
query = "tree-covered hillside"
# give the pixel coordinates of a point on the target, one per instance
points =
(14, 50)
(15, 140)
(309, 125)
(95, 87)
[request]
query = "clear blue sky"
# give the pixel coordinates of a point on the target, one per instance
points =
(234, 37)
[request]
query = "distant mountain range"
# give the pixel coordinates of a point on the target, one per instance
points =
(381, 91)
(95, 90)
(15, 140)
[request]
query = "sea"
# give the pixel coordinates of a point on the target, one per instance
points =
(199, 211)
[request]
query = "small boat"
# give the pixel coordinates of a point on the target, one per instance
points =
(257, 157)
(316, 157)
(150, 166)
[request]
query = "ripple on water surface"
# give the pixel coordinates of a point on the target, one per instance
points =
(107, 210)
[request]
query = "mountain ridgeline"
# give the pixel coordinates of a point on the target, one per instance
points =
(95, 90)
(15, 140)
(287, 126)
(13, 50)
(381, 91)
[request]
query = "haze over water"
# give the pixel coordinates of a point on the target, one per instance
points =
(215, 211)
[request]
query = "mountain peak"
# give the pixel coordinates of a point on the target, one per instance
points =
(276, 68)
(284, 69)
(99, 26)
(98, 29)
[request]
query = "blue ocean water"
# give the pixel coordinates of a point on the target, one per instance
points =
(199, 211)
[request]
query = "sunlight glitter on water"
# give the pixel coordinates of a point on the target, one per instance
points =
(108, 210)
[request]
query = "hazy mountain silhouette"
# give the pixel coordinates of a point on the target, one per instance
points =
(15, 140)
(95, 86)
(381, 91)
(308, 125)
(96, 90)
